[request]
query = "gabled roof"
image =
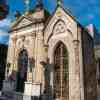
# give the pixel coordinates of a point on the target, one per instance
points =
(19, 20)
(94, 33)
(67, 11)
(29, 19)
(47, 18)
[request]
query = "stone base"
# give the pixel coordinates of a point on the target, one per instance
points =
(36, 89)
(28, 88)
(9, 85)
(27, 97)
(32, 89)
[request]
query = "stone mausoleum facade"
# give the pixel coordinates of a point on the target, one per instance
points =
(51, 55)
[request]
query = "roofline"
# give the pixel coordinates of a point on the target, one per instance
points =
(39, 21)
(66, 11)
(49, 18)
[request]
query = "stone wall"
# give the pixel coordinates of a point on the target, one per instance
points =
(97, 56)
(89, 67)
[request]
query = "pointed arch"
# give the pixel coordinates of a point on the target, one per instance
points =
(61, 22)
(61, 72)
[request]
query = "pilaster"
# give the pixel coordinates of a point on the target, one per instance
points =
(76, 93)
(12, 61)
(31, 60)
(39, 56)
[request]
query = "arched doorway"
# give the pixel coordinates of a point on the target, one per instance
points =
(22, 70)
(61, 73)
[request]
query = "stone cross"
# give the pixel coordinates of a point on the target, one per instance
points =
(26, 2)
(59, 2)
(39, 2)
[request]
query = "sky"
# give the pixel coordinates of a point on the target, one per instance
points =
(85, 11)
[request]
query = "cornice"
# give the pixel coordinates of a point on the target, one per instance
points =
(27, 26)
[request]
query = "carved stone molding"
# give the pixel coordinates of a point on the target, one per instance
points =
(76, 43)
(46, 47)
(59, 27)
(76, 49)
(14, 39)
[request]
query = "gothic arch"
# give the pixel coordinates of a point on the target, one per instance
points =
(54, 26)
(59, 23)
(57, 43)
(61, 72)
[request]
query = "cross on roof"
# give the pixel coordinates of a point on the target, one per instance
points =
(59, 2)
(26, 2)
(39, 2)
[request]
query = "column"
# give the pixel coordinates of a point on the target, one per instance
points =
(31, 64)
(39, 57)
(12, 56)
(98, 78)
(9, 85)
(76, 84)
(30, 45)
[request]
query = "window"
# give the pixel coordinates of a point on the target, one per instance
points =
(61, 75)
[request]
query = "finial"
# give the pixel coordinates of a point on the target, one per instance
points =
(59, 2)
(17, 14)
(39, 3)
(26, 2)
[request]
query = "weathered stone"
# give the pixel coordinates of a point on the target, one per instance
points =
(40, 42)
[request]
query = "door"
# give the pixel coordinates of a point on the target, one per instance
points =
(22, 70)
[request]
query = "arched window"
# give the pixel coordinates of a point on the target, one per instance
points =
(22, 70)
(61, 75)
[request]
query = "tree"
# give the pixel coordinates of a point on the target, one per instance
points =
(4, 9)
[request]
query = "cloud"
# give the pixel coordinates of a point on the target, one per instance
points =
(4, 39)
(4, 33)
(5, 24)
(4, 27)
(90, 16)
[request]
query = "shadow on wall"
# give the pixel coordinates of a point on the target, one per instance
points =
(3, 55)
(48, 69)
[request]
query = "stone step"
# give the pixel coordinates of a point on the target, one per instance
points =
(3, 98)
(7, 95)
